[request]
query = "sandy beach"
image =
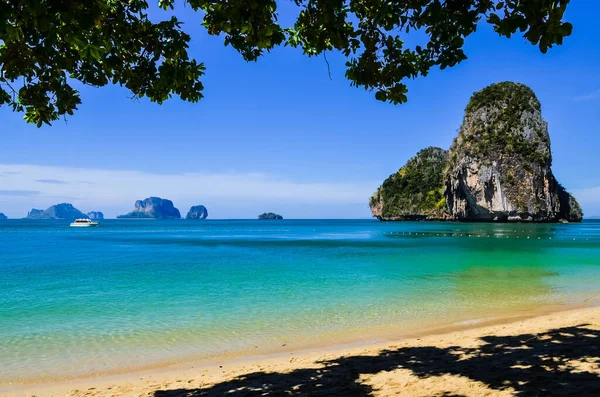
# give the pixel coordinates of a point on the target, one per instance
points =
(553, 354)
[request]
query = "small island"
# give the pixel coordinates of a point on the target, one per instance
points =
(64, 211)
(498, 169)
(269, 216)
(197, 212)
(153, 208)
(3, 217)
(95, 215)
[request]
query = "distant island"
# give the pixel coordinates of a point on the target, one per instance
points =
(497, 169)
(197, 212)
(95, 215)
(64, 211)
(3, 217)
(153, 208)
(269, 216)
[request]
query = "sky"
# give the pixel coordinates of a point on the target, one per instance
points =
(279, 135)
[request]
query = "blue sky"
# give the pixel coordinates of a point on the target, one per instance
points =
(279, 135)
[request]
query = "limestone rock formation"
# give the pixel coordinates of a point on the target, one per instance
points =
(499, 166)
(64, 211)
(269, 215)
(415, 192)
(197, 212)
(95, 215)
(497, 169)
(34, 213)
(3, 217)
(153, 208)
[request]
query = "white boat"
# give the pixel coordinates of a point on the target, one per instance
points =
(84, 223)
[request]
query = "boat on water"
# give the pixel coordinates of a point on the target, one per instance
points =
(84, 223)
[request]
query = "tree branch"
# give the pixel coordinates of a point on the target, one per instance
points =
(328, 66)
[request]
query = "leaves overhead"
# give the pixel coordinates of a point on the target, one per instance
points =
(48, 45)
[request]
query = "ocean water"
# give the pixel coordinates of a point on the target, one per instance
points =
(132, 294)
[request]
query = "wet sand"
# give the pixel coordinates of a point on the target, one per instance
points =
(552, 354)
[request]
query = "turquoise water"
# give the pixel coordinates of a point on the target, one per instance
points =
(128, 294)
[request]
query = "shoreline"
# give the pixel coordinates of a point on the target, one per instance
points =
(210, 371)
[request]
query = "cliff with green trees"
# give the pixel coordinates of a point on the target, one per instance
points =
(415, 192)
(497, 169)
(500, 164)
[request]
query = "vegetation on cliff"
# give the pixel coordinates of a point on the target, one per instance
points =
(570, 209)
(496, 120)
(415, 190)
(575, 210)
(518, 96)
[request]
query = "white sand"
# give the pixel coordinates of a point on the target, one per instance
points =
(555, 354)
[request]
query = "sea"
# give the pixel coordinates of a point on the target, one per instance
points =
(134, 294)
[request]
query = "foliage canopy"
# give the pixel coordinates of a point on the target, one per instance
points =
(46, 45)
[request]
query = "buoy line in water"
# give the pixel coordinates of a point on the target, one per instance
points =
(432, 234)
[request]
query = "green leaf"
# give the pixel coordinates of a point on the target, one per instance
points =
(94, 52)
(566, 29)
(381, 96)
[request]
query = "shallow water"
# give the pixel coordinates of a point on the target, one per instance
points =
(75, 302)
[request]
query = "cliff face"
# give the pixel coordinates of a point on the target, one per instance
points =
(415, 192)
(153, 207)
(64, 211)
(499, 166)
(197, 212)
(95, 215)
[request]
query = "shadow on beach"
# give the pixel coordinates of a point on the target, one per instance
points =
(559, 362)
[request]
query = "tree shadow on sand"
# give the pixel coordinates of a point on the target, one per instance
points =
(559, 362)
